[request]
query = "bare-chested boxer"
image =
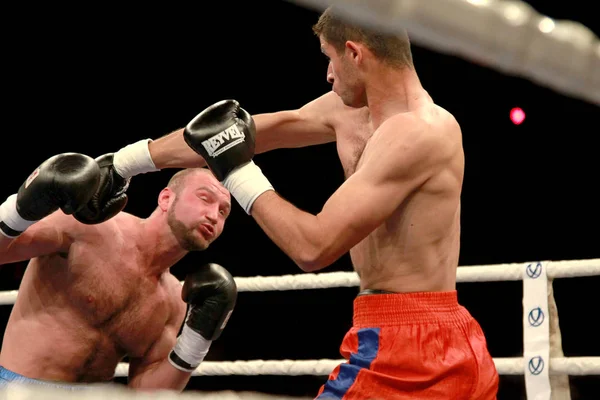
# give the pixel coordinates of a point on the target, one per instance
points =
(95, 292)
(397, 213)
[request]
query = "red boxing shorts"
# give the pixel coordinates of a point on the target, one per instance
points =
(413, 346)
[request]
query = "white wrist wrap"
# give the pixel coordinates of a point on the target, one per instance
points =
(11, 218)
(134, 159)
(246, 183)
(191, 347)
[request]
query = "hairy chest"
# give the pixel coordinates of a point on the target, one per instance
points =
(123, 305)
(353, 131)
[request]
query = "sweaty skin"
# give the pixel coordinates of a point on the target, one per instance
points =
(398, 212)
(416, 155)
(93, 294)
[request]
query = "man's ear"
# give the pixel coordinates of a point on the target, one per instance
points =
(354, 51)
(165, 197)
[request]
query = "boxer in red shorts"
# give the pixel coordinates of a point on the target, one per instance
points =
(420, 345)
(397, 213)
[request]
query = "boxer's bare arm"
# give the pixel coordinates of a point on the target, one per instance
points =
(306, 126)
(397, 162)
(154, 371)
(303, 127)
(52, 234)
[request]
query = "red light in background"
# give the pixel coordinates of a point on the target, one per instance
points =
(517, 115)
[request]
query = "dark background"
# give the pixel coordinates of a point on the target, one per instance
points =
(93, 79)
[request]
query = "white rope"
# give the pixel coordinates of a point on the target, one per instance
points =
(509, 36)
(558, 366)
(8, 297)
(505, 366)
(475, 273)
(323, 280)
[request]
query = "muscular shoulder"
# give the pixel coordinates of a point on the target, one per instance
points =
(122, 225)
(424, 138)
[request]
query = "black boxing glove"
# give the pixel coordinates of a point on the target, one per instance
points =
(223, 134)
(110, 197)
(66, 181)
(211, 293)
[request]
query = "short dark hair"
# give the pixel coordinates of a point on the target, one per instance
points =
(336, 30)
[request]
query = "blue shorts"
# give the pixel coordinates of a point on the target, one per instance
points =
(8, 377)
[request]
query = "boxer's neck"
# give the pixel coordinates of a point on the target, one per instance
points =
(390, 91)
(159, 245)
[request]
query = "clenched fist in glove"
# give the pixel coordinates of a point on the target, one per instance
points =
(117, 170)
(66, 181)
(211, 294)
(110, 197)
(223, 134)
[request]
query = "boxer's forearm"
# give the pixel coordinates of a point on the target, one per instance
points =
(160, 376)
(283, 129)
(298, 234)
(171, 151)
(4, 245)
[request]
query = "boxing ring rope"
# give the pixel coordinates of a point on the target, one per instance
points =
(476, 273)
(509, 36)
(582, 366)
(326, 280)
(479, 273)
(506, 35)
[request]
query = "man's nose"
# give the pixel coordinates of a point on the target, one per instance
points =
(213, 214)
(330, 74)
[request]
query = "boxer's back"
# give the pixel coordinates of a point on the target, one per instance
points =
(417, 247)
(89, 307)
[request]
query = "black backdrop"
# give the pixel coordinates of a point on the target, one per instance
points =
(93, 79)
